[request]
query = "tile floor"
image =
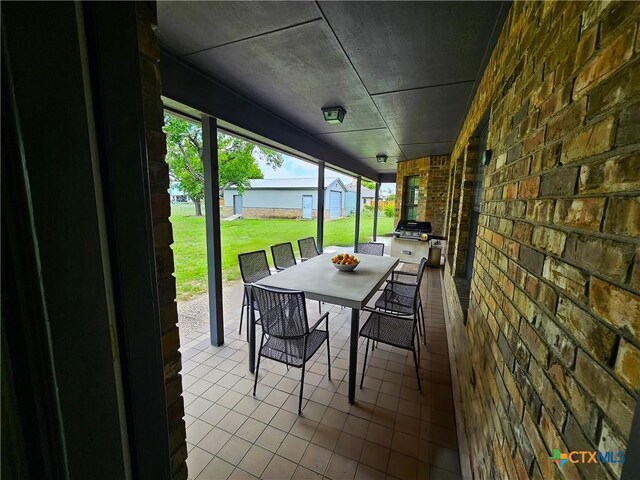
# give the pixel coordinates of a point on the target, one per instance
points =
(392, 431)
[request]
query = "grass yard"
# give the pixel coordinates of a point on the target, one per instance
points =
(245, 236)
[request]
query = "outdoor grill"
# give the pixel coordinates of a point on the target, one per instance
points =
(411, 229)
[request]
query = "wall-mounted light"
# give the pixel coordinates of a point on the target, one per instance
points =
(334, 115)
(381, 158)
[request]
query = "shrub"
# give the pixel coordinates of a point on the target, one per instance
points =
(389, 210)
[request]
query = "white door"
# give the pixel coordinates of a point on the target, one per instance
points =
(307, 206)
(237, 204)
(335, 204)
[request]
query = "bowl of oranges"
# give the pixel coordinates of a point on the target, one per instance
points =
(345, 262)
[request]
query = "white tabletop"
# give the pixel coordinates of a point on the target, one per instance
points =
(320, 280)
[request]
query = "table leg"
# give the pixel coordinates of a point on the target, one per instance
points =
(252, 333)
(353, 353)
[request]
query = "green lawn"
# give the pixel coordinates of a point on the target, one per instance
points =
(239, 236)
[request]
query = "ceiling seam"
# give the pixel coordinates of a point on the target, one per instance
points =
(391, 92)
(281, 29)
(350, 131)
(358, 75)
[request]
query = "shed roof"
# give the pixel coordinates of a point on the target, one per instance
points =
(364, 191)
(288, 183)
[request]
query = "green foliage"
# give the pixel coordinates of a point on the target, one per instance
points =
(237, 162)
(391, 197)
(367, 210)
(184, 153)
(389, 211)
(237, 159)
(369, 184)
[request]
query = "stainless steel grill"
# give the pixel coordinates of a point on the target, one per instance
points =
(412, 229)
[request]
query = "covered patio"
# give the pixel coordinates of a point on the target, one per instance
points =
(512, 127)
(392, 431)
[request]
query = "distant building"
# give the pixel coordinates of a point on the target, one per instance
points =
(285, 198)
(177, 195)
(367, 197)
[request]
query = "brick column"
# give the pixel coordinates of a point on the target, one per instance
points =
(432, 189)
(162, 233)
(436, 194)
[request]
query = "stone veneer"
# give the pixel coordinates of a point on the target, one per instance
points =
(265, 212)
(432, 199)
(549, 356)
(162, 232)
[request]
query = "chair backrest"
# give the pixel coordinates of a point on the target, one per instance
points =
(283, 313)
(283, 256)
(308, 248)
(253, 266)
(371, 248)
(421, 268)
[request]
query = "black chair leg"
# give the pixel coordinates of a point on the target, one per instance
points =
(301, 389)
(244, 303)
(366, 352)
(328, 354)
(255, 380)
(424, 327)
(319, 306)
(415, 360)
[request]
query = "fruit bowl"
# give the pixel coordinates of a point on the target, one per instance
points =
(345, 262)
(346, 268)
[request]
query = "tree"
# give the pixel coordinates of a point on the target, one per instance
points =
(237, 159)
(369, 184)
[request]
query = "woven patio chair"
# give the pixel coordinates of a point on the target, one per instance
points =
(283, 256)
(253, 267)
(286, 335)
(404, 297)
(395, 329)
(371, 248)
(307, 248)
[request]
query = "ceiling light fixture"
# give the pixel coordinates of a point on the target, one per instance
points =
(381, 158)
(334, 115)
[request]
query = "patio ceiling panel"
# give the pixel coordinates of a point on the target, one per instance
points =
(294, 72)
(196, 26)
(364, 143)
(402, 45)
(425, 115)
(404, 71)
(185, 85)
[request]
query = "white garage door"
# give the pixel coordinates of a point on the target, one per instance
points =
(335, 204)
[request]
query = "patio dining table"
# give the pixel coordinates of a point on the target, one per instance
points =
(320, 280)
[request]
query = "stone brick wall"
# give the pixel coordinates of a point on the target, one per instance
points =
(432, 199)
(264, 212)
(436, 194)
(162, 232)
(549, 356)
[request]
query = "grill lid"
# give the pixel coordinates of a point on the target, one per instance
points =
(412, 228)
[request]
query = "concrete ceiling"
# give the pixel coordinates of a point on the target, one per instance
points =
(404, 71)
